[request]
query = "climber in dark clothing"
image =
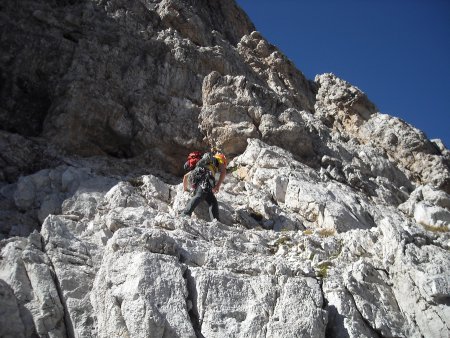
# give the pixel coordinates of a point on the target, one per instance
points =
(199, 196)
(204, 183)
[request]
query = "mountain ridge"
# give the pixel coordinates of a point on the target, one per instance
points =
(335, 222)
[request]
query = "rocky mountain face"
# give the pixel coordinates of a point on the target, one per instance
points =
(335, 221)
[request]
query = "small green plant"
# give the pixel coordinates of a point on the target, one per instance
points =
(282, 240)
(308, 232)
(232, 169)
(326, 232)
(432, 228)
(322, 269)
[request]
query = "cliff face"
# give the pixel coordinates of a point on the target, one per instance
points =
(335, 222)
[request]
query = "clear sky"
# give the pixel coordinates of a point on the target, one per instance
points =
(396, 51)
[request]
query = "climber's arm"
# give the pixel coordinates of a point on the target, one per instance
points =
(185, 182)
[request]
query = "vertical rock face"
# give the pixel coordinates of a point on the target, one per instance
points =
(335, 221)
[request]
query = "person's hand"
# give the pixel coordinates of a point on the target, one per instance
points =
(216, 189)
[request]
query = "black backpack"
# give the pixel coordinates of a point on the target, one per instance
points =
(207, 160)
(202, 175)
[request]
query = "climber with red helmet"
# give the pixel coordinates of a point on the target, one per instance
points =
(203, 181)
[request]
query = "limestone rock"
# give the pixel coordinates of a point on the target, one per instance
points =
(242, 278)
(280, 74)
(73, 249)
(20, 155)
(418, 283)
(50, 191)
(429, 207)
(291, 131)
(231, 113)
(144, 293)
(409, 147)
(235, 109)
(69, 91)
(348, 110)
(11, 323)
(304, 193)
(30, 275)
(340, 104)
(196, 22)
(334, 218)
(375, 301)
(431, 215)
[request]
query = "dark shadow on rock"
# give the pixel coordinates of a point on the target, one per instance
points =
(335, 326)
(192, 297)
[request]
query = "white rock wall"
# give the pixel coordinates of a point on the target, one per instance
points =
(299, 255)
(334, 223)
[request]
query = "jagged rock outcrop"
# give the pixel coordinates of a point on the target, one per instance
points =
(334, 222)
(99, 79)
(348, 110)
(351, 264)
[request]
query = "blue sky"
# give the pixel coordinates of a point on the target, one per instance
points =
(396, 51)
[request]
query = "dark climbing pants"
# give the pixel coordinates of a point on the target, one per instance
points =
(199, 196)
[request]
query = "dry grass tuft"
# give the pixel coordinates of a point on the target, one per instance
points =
(435, 229)
(326, 232)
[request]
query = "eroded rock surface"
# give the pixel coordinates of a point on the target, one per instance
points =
(352, 265)
(334, 217)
